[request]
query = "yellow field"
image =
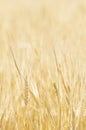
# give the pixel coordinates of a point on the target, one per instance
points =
(43, 65)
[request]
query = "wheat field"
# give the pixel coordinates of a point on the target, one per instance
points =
(43, 65)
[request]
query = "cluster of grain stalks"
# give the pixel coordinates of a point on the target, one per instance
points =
(42, 65)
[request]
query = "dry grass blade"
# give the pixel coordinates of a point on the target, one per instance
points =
(67, 94)
(59, 104)
(16, 65)
(26, 92)
(58, 95)
(1, 119)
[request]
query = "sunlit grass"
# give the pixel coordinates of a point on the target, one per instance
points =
(42, 65)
